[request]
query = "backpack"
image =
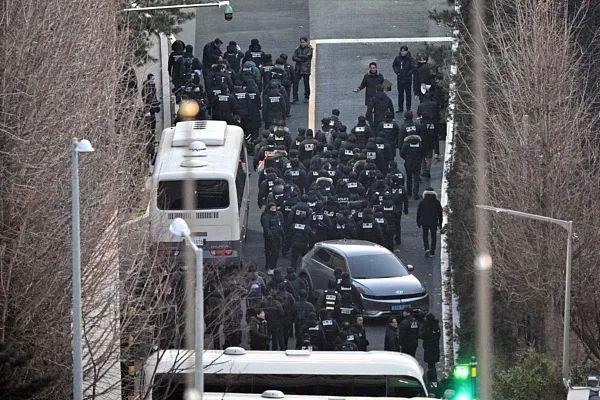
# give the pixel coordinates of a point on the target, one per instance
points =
(247, 75)
(186, 69)
(255, 290)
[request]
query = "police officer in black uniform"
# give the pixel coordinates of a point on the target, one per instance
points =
(272, 224)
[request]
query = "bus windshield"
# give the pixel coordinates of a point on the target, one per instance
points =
(171, 386)
(209, 194)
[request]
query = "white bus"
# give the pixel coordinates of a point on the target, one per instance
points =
(293, 372)
(213, 155)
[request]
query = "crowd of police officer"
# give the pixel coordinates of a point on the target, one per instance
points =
(248, 89)
(334, 183)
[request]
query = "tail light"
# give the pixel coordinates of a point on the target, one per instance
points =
(221, 252)
(167, 252)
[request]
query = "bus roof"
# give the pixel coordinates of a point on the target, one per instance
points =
(287, 362)
(275, 394)
(221, 156)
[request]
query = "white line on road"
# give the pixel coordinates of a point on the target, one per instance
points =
(383, 40)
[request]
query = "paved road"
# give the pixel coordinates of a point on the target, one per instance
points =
(339, 69)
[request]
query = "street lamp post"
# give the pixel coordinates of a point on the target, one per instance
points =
(77, 146)
(196, 5)
(180, 228)
(568, 225)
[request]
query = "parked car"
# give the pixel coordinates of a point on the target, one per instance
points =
(385, 283)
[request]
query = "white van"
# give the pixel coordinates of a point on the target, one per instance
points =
(293, 372)
(212, 155)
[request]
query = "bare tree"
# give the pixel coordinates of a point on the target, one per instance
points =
(543, 158)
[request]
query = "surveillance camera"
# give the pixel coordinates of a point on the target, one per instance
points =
(228, 12)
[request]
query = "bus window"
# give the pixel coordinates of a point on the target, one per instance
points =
(404, 386)
(228, 383)
(168, 386)
(373, 386)
(209, 193)
(240, 182)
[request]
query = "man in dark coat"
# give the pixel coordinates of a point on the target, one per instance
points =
(412, 153)
(422, 75)
(404, 68)
(254, 53)
(303, 58)
(408, 333)
(259, 334)
(429, 217)
(274, 315)
(360, 335)
(210, 55)
(391, 342)
(378, 105)
(234, 56)
(274, 107)
(430, 334)
(370, 82)
(272, 224)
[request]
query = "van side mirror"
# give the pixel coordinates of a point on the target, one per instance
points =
(410, 268)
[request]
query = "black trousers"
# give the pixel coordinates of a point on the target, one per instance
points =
(410, 350)
(404, 90)
(427, 232)
(288, 91)
(431, 372)
(272, 249)
(298, 251)
(306, 79)
(398, 229)
(413, 177)
(278, 341)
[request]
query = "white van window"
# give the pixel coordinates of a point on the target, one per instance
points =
(210, 194)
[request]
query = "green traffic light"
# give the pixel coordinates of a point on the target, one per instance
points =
(463, 396)
(461, 372)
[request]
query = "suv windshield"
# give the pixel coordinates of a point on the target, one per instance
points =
(372, 266)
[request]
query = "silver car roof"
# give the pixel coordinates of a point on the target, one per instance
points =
(350, 247)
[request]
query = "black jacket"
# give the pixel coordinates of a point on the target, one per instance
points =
(408, 333)
(210, 54)
(377, 107)
(259, 335)
(404, 68)
(391, 342)
(233, 57)
(303, 58)
(430, 334)
(272, 225)
(370, 82)
(274, 107)
(412, 152)
(390, 132)
(360, 337)
(429, 211)
(254, 54)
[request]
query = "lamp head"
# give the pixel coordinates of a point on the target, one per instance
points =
(179, 227)
(83, 146)
(228, 12)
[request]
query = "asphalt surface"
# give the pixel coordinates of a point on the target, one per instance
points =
(339, 69)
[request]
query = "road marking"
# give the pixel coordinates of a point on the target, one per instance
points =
(312, 101)
(383, 40)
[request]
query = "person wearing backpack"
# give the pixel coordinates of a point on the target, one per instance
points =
(302, 309)
(256, 289)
